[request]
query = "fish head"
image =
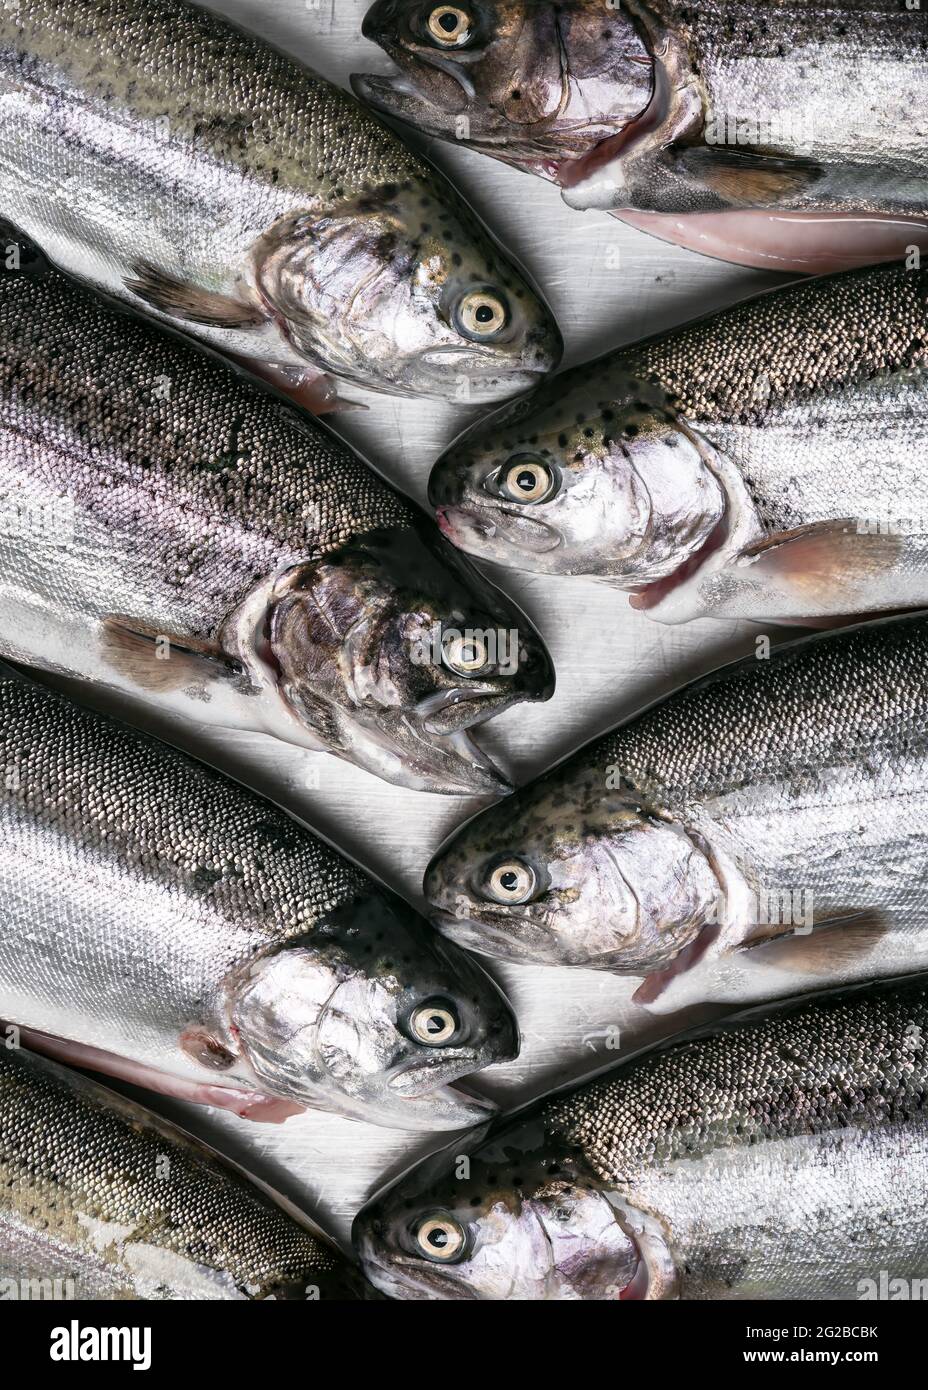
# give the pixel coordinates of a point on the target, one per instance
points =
(405, 291)
(532, 83)
(506, 1216)
(573, 872)
(394, 649)
(374, 1016)
(597, 483)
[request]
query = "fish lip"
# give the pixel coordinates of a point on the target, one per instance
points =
(494, 384)
(460, 1108)
(466, 526)
(485, 939)
(421, 1075)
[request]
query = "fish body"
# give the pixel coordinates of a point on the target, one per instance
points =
(168, 527)
(779, 1156)
(102, 1200)
(712, 126)
(182, 165)
(766, 461)
(164, 924)
(760, 831)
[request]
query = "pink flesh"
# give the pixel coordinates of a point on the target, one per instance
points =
(652, 594)
(249, 1105)
(637, 1288)
(315, 391)
(653, 986)
(813, 243)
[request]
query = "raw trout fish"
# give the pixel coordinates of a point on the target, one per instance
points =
(168, 527)
(781, 1155)
(760, 831)
(788, 136)
(184, 166)
(768, 461)
(99, 1199)
(162, 924)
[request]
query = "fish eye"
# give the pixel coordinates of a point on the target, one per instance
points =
(440, 1237)
(466, 654)
(449, 25)
(512, 882)
(482, 314)
(527, 479)
(435, 1022)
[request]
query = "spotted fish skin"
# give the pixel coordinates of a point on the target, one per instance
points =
(173, 529)
(779, 1155)
(759, 831)
(199, 941)
(763, 461)
(181, 164)
(102, 1200)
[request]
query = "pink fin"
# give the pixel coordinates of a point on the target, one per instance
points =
(249, 1105)
(653, 985)
(309, 388)
(810, 243)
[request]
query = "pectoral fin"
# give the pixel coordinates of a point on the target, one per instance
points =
(160, 661)
(828, 567)
(191, 303)
(747, 180)
(834, 944)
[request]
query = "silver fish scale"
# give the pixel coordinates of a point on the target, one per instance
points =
(777, 68)
(189, 485)
(154, 57)
(96, 1190)
(787, 346)
(846, 1060)
(168, 822)
(856, 700)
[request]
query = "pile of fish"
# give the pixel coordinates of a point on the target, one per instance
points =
(175, 530)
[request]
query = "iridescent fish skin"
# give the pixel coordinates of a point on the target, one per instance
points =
(759, 831)
(172, 529)
(186, 167)
(164, 924)
(766, 461)
(779, 1156)
(710, 126)
(100, 1199)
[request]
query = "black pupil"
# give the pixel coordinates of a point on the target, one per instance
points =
(435, 1024)
(449, 22)
(484, 314)
(468, 655)
(509, 881)
(526, 480)
(438, 1238)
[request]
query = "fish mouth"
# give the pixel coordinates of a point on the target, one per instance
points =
(396, 94)
(489, 382)
(497, 942)
(490, 536)
(421, 1076)
(439, 1108)
(450, 763)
